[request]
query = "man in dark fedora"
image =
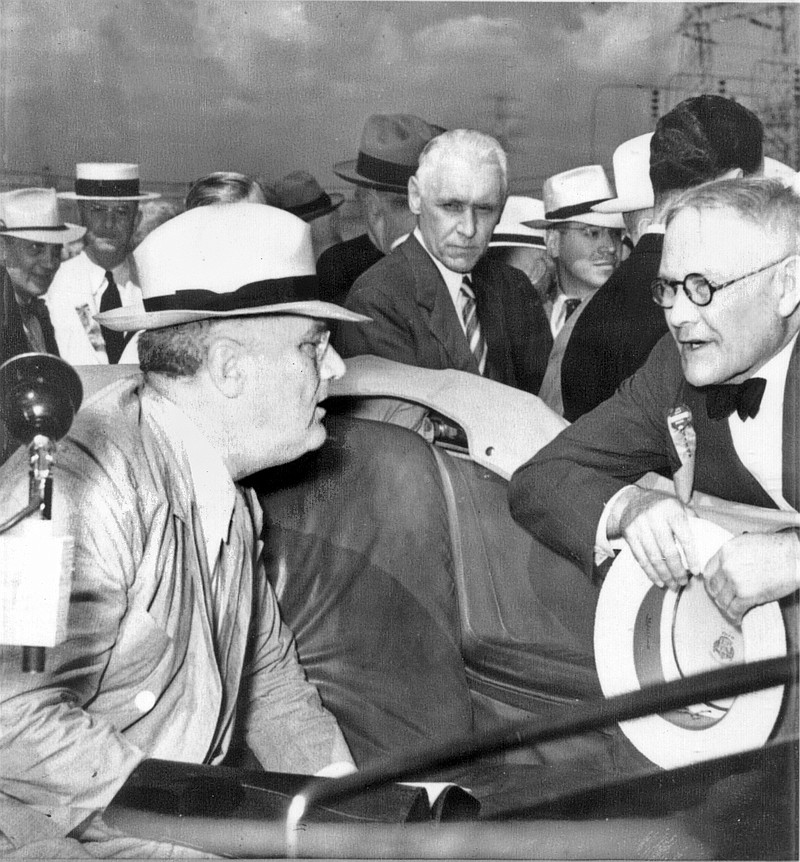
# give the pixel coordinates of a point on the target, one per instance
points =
(703, 138)
(387, 158)
(103, 276)
(174, 644)
(300, 194)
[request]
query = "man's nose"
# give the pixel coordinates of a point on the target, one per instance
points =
(683, 310)
(466, 224)
(333, 366)
(51, 257)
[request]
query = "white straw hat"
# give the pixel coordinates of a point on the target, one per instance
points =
(512, 228)
(225, 260)
(32, 214)
(631, 163)
(570, 196)
(107, 181)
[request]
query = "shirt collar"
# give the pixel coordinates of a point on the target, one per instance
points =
(121, 272)
(214, 490)
(774, 371)
(451, 279)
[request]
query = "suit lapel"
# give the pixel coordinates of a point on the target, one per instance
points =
(791, 431)
(433, 296)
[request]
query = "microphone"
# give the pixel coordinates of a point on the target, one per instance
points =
(39, 397)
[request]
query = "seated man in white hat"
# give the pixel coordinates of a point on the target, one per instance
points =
(103, 276)
(387, 157)
(729, 287)
(703, 138)
(585, 248)
(174, 641)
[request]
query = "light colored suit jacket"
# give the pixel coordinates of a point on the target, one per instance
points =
(142, 672)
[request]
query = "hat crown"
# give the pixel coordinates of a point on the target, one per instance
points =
(222, 247)
(511, 230)
(397, 138)
(297, 188)
(30, 208)
(106, 171)
(575, 189)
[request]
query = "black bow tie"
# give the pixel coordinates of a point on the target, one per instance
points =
(744, 398)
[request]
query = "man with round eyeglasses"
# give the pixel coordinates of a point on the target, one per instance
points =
(729, 284)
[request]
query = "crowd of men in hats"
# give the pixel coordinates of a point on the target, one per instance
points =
(229, 309)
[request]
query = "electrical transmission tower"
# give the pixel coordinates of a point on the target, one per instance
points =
(772, 87)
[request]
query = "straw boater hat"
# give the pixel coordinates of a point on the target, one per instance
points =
(226, 260)
(32, 214)
(570, 195)
(388, 153)
(512, 228)
(300, 194)
(107, 181)
(631, 163)
(646, 635)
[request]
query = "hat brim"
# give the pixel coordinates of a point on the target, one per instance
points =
(142, 196)
(130, 318)
(642, 631)
(625, 205)
(518, 241)
(336, 201)
(347, 171)
(71, 233)
(612, 221)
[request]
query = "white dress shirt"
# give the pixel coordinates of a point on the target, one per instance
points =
(452, 279)
(74, 299)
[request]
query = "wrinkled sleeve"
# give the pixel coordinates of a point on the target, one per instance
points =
(559, 495)
(56, 755)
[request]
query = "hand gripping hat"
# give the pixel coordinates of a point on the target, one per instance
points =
(300, 194)
(645, 635)
(388, 153)
(570, 196)
(107, 181)
(631, 162)
(512, 229)
(225, 260)
(32, 214)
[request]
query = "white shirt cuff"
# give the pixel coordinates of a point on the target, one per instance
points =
(603, 546)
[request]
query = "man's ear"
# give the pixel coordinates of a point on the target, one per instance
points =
(789, 275)
(225, 367)
(553, 243)
(414, 196)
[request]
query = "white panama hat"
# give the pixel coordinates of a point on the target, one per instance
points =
(107, 181)
(512, 228)
(646, 635)
(32, 214)
(570, 196)
(631, 163)
(225, 260)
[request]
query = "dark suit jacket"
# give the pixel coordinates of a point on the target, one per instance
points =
(416, 322)
(340, 265)
(13, 339)
(615, 332)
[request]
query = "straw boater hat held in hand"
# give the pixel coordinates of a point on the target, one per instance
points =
(570, 195)
(226, 261)
(107, 181)
(32, 215)
(388, 152)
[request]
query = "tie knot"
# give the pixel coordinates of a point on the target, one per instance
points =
(744, 398)
(569, 307)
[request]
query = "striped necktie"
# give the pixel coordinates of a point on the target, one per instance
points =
(469, 314)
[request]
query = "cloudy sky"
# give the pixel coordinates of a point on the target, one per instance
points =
(189, 86)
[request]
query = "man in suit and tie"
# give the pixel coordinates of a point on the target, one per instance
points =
(729, 285)
(103, 276)
(31, 238)
(436, 301)
(585, 248)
